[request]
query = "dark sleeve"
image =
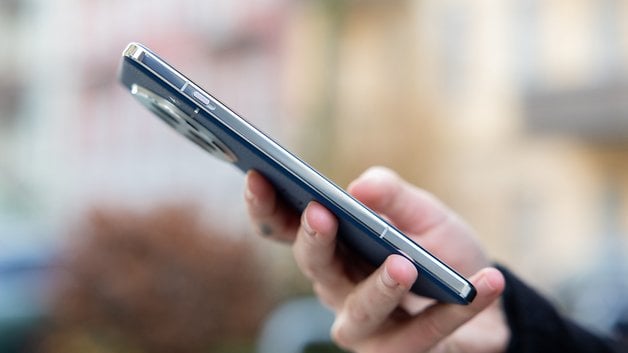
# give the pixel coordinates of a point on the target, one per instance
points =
(537, 327)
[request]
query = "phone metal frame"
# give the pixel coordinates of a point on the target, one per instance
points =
(460, 290)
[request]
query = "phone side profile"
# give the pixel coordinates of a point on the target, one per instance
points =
(218, 130)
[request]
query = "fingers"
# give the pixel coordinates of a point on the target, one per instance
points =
(410, 208)
(374, 301)
(440, 320)
(270, 216)
(315, 253)
(365, 321)
(314, 237)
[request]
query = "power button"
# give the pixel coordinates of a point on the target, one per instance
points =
(199, 96)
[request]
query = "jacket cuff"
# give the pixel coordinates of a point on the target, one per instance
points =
(536, 326)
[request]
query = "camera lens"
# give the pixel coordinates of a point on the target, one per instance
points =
(183, 123)
(201, 141)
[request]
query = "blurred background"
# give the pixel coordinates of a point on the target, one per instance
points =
(118, 235)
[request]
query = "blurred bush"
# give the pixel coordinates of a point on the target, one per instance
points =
(155, 282)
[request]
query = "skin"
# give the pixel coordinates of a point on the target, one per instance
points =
(375, 312)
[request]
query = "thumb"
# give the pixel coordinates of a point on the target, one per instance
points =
(440, 320)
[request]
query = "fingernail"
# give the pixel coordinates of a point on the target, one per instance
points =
(491, 281)
(388, 280)
(249, 195)
(487, 282)
(306, 226)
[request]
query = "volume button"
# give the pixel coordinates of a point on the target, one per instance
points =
(383, 234)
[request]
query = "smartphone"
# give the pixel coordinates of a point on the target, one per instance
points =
(215, 128)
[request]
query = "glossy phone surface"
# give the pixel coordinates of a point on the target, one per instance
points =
(218, 130)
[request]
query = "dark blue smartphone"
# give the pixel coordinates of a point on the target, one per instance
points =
(218, 130)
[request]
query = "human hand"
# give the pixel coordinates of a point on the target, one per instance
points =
(377, 313)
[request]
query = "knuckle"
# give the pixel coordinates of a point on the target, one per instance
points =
(356, 313)
(351, 317)
(432, 330)
(340, 335)
(326, 297)
(309, 270)
(384, 172)
(303, 261)
(387, 177)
